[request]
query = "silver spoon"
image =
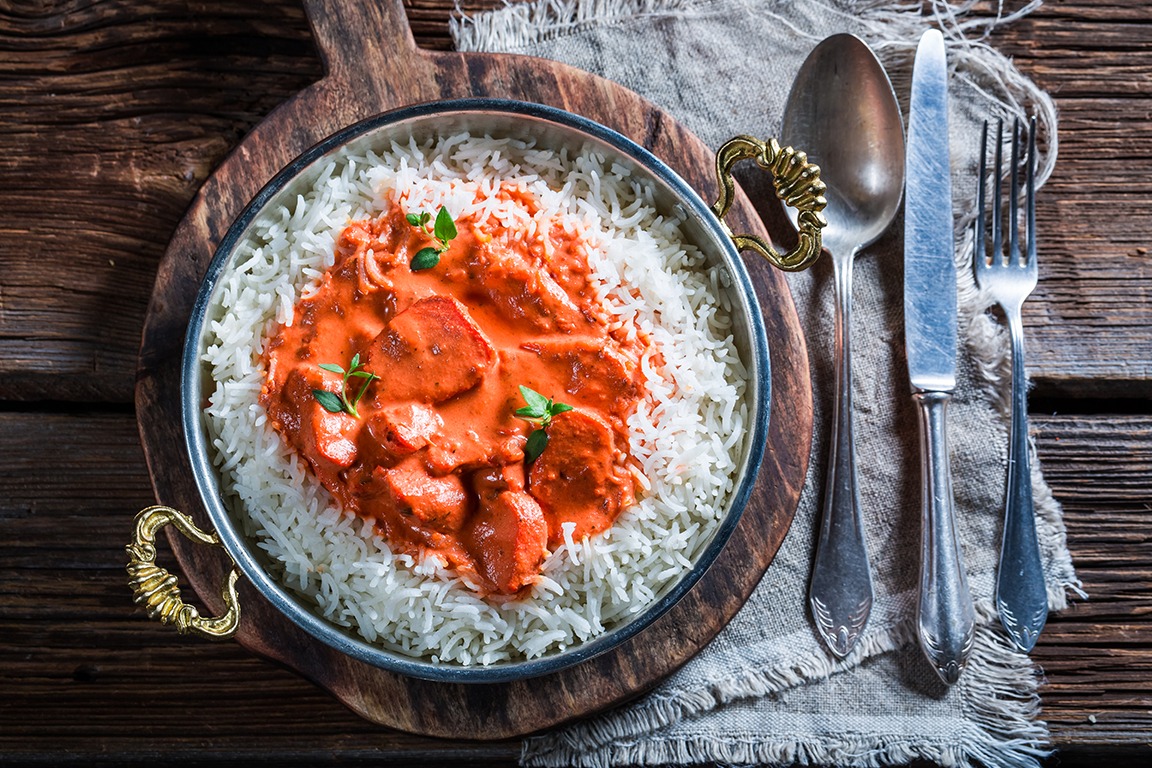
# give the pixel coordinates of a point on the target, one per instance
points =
(843, 111)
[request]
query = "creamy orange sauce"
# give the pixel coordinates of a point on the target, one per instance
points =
(436, 456)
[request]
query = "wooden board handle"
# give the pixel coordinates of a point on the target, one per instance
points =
(369, 53)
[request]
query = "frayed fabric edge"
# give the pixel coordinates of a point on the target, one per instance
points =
(1005, 701)
(890, 29)
(1004, 726)
(1005, 704)
(658, 711)
(518, 25)
(522, 24)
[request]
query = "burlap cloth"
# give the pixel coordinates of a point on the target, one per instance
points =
(766, 690)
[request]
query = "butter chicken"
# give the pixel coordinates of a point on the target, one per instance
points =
(435, 453)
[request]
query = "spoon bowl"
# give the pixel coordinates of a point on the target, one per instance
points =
(843, 111)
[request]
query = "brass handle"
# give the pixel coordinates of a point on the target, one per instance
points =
(159, 591)
(797, 183)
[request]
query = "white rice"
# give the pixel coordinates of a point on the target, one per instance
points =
(687, 435)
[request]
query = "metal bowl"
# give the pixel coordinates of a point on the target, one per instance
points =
(551, 128)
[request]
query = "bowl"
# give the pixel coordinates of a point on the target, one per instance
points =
(551, 128)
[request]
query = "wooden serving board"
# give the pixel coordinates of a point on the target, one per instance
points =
(373, 65)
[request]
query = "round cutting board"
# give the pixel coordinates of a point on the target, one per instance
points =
(373, 66)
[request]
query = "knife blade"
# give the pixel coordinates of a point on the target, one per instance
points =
(945, 616)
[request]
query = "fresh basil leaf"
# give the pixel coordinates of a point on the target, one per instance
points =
(528, 412)
(330, 367)
(413, 219)
(355, 362)
(534, 399)
(445, 228)
(425, 258)
(537, 442)
(328, 401)
(362, 374)
(558, 408)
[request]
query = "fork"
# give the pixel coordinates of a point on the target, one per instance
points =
(1021, 596)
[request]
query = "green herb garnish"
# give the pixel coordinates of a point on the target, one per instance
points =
(443, 230)
(340, 403)
(539, 410)
(419, 220)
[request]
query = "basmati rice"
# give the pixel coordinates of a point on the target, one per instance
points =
(686, 435)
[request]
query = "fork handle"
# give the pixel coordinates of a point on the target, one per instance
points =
(946, 619)
(1021, 595)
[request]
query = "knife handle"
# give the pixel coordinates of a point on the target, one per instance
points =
(946, 619)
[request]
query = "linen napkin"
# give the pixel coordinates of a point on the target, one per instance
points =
(766, 690)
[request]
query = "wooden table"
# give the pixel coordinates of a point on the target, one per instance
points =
(114, 112)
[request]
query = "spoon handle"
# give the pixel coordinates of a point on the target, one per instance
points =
(840, 591)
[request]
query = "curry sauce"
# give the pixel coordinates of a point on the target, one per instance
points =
(435, 455)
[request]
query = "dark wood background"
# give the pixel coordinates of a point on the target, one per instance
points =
(113, 113)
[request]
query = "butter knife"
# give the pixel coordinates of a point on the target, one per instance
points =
(945, 617)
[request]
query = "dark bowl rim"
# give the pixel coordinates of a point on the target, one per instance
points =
(237, 545)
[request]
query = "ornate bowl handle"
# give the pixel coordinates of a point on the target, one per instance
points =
(797, 183)
(159, 591)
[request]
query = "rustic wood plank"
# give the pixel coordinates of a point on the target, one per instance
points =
(83, 672)
(113, 115)
(1098, 690)
(1089, 323)
(149, 97)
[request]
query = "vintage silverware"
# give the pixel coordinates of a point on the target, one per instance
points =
(843, 110)
(1021, 596)
(946, 619)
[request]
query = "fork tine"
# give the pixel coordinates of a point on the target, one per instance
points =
(980, 248)
(1013, 197)
(997, 242)
(1031, 192)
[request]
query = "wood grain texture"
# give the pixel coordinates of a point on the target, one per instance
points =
(113, 115)
(373, 66)
(1089, 323)
(148, 97)
(1098, 689)
(84, 673)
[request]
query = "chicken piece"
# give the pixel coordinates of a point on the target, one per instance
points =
(508, 537)
(524, 291)
(465, 451)
(576, 479)
(597, 372)
(440, 503)
(398, 431)
(430, 352)
(327, 439)
(489, 482)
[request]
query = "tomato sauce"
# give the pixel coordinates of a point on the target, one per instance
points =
(436, 455)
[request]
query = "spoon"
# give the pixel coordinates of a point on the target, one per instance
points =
(843, 111)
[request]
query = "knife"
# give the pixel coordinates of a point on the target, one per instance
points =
(945, 618)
